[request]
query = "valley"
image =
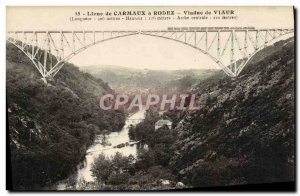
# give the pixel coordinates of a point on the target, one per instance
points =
(243, 128)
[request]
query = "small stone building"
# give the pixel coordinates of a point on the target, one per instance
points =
(162, 122)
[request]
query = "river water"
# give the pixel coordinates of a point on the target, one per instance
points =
(108, 147)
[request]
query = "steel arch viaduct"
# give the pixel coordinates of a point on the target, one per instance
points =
(230, 48)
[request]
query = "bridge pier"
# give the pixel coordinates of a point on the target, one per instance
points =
(47, 79)
(44, 80)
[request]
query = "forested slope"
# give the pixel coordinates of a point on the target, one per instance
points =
(244, 131)
(50, 126)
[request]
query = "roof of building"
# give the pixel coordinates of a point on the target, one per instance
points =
(163, 122)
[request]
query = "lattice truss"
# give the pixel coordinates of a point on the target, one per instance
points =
(49, 50)
(230, 49)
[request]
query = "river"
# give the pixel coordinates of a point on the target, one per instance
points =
(109, 149)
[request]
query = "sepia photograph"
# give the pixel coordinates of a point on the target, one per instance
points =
(150, 98)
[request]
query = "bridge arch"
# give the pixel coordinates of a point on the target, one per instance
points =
(181, 42)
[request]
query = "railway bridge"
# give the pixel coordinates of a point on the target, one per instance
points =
(230, 48)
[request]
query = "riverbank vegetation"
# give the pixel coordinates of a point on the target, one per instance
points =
(148, 171)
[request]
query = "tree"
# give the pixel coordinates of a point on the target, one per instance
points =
(102, 168)
(108, 169)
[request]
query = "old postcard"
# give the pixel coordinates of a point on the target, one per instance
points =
(150, 98)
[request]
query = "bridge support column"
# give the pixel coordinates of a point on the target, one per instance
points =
(44, 80)
(47, 79)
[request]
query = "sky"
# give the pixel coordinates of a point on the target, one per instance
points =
(142, 51)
